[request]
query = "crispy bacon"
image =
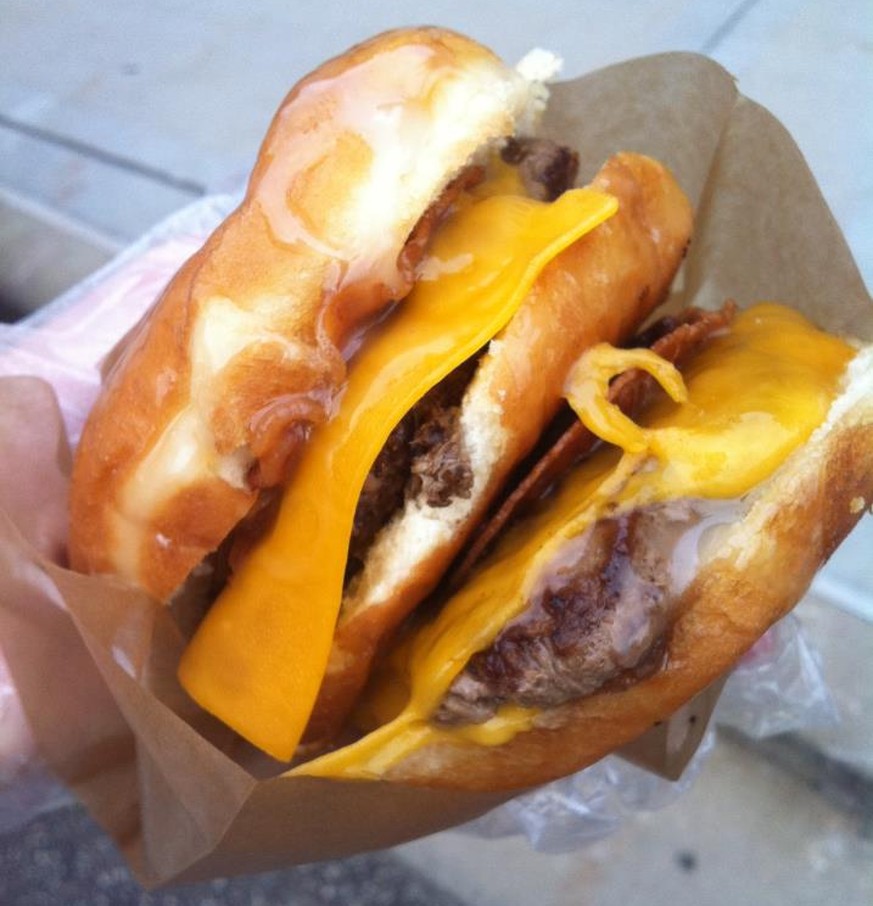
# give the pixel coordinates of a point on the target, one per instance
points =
(419, 239)
(674, 338)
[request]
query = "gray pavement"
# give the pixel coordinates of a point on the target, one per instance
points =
(747, 832)
(64, 859)
(42, 253)
(157, 103)
(110, 122)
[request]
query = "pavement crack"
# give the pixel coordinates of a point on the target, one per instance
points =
(109, 158)
(729, 24)
(844, 786)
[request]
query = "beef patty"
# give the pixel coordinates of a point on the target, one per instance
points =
(598, 616)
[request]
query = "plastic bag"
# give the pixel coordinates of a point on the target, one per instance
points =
(777, 688)
(65, 342)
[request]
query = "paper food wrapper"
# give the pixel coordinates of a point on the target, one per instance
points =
(95, 662)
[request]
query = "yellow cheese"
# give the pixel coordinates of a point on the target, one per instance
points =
(588, 386)
(257, 660)
(753, 396)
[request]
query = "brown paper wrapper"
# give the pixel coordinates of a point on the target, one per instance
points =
(95, 662)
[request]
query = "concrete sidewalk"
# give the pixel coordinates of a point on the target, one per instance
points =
(748, 832)
(110, 122)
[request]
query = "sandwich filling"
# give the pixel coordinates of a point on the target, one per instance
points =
(286, 595)
(601, 616)
(425, 457)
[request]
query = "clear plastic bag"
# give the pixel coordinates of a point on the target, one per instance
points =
(65, 342)
(777, 688)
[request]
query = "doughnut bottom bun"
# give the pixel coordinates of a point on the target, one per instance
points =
(751, 573)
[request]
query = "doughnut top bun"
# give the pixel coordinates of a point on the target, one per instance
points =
(245, 351)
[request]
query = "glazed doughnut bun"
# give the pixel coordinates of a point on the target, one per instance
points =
(245, 351)
(598, 290)
(750, 572)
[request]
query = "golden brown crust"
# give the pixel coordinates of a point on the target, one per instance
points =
(600, 289)
(807, 508)
(245, 348)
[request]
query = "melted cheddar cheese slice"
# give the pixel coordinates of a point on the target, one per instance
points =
(257, 660)
(752, 396)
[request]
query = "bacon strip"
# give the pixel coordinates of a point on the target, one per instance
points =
(419, 239)
(673, 338)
